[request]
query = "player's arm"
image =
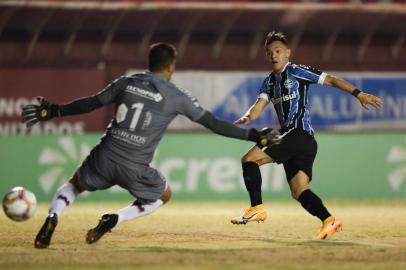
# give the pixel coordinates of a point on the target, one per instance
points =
(258, 107)
(221, 127)
(253, 112)
(364, 98)
(190, 107)
(225, 128)
(44, 110)
(79, 106)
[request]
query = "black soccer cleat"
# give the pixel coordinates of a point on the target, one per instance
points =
(43, 239)
(106, 223)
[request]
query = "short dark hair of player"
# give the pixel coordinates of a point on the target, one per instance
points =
(160, 56)
(275, 36)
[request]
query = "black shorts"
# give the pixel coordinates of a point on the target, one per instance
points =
(296, 152)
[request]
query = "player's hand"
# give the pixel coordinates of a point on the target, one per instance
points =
(245, 120)
(367, 99)
(32, 113)
(269, 136)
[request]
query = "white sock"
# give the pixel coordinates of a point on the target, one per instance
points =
(135, 211)
(64, 196)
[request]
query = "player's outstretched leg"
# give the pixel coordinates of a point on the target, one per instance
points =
(254, 213)
(106, 223)
(44, 236)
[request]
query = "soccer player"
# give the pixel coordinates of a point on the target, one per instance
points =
(145, 104)
(287, 88)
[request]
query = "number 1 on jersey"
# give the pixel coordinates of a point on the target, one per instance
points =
(138, 109)
(122, 113)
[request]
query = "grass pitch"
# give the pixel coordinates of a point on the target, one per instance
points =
(198, 235)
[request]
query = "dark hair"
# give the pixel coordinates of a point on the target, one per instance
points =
(160, 56)
(275, 36)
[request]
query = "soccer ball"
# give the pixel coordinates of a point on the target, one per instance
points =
(19, 204)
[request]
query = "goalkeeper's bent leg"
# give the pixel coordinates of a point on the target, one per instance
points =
(139, 209)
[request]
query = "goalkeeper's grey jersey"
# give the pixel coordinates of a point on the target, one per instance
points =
(145, 104)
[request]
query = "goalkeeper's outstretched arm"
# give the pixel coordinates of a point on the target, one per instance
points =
(79, 106)
(225, 128)
(221, 127)
(44, 111)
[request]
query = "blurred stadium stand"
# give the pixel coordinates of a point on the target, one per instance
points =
(69, 48)
(346, 35)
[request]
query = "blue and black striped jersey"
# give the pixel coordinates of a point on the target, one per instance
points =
(289, 93)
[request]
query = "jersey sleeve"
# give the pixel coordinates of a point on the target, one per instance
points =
(110, 92)
(264, 90)
(188, 105)
(309, 74)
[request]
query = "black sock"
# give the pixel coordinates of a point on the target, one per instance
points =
(253, 181)
(313, 204)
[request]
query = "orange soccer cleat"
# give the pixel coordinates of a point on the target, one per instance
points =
(329, 227)
(254, 213)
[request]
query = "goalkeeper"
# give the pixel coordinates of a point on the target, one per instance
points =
(145, 104)
(287, 88)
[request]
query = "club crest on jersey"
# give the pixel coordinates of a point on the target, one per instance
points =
(285, 98)
(288, 84)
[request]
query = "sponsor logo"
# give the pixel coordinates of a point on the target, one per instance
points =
(187, 173)
(144, 93)
(128, 137)
(285, 98)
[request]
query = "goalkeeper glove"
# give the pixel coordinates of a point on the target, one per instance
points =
(32, 114)
(270, 136)
(266, 136)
